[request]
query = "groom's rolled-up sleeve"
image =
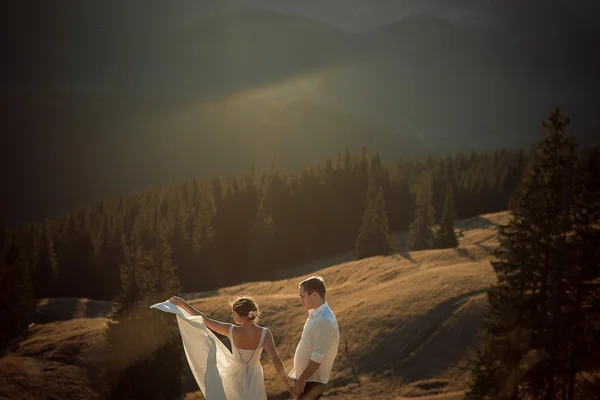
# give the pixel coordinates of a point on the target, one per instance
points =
(325, 333)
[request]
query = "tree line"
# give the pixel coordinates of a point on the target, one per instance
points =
(226, 231)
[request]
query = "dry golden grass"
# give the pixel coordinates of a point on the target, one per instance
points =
(409, 322)
(52, 361)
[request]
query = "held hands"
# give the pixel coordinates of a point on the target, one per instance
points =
(298, 388)
(290, 389)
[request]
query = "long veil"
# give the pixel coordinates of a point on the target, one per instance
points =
(214, 367)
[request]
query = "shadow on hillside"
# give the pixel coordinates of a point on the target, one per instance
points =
(62, 309)
(487, 249)
(405, 255)
(463, 252)
(313, 266)
(476, 222)
(412, 353)
(280, 396)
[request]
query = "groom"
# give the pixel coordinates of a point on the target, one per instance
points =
(318, 346)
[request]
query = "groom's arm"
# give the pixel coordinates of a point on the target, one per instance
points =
(325, 332)
(310, 369)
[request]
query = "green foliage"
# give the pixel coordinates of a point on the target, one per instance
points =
(16, 289)
(533, 342)
(146, 352)
(226, 231)
(262, 248)
(421, 228)
(45, 264)
(445, 237)
(374, 238)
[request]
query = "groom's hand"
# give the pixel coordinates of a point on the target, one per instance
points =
(298, 388)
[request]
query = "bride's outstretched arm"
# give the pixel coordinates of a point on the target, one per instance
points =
(217, 326)
(277, 363)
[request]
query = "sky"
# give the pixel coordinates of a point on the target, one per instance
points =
(361, 15)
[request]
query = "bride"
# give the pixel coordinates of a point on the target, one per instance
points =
(220, 373)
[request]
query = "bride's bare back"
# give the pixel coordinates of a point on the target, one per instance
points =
(246, 337)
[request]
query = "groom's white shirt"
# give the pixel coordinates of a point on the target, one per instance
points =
(319, 342)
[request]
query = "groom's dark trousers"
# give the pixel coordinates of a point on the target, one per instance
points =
(312, 391)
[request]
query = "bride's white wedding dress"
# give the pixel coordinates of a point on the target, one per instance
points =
(221, 374)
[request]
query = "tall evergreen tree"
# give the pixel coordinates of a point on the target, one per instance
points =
(167, 361)
(145, 359)
(374, 238)
(403, 207)
(262, 266)
(109, 259)
(582, 323)
(4, 236)
(45, 271)
(439, 190)
(445, 236)
(421, 236)
(526, 349)
(16, 291)
(181, 245)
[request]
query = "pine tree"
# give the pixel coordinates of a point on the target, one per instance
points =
(167, 361)
(439, 190)
(45, 271)
(404, 205)
(110, 259)
(374, 238)
(16, 292)
(145, 358)
(121, 328)
(531, 302)
(420, 230)
(262, 248)
(4, 235)
(183, 254)
(203, 244)
(445, 235)
(583, 320)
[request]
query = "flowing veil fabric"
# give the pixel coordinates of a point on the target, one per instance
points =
(216, 370)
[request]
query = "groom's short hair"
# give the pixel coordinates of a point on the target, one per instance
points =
(314, 283)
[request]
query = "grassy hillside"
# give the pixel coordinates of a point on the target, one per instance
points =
(409, 322)
(54, 361)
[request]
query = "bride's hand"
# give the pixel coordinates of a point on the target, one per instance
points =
(289, 388)
(178, 301)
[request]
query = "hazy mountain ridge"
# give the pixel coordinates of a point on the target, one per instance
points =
(133, 142)
(138, 44)
(111, 72)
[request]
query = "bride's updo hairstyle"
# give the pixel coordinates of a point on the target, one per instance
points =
(246, 307)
